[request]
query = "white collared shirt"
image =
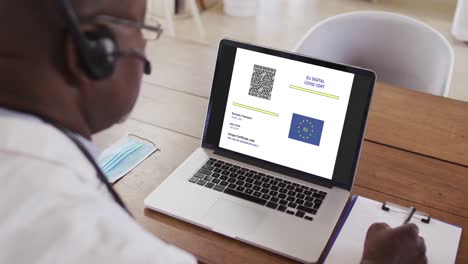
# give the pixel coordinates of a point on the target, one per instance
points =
(90, 147)
(53, 208)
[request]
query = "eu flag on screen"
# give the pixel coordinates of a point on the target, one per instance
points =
(306, 129)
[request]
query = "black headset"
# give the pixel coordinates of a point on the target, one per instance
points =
(98, 53)
(98, 50)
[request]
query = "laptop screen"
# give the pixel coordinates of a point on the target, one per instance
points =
(286, 112)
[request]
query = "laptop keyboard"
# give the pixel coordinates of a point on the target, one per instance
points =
(272, 192)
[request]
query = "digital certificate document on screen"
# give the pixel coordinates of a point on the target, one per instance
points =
(286, 112)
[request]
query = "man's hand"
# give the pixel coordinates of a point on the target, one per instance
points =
(399, 245)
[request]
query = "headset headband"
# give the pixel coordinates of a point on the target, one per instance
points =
(72, 20)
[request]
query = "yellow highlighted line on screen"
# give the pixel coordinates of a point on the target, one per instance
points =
(256, 109)
(314, 92)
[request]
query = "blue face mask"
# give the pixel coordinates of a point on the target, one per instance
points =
(123, 156)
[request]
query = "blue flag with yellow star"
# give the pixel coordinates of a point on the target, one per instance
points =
(306, 129)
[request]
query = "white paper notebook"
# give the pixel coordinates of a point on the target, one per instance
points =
(441, 239)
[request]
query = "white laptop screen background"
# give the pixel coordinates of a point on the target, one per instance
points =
(292, 115)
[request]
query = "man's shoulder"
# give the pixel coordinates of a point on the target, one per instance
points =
(22, 175)
(45, 205)
(41, 143)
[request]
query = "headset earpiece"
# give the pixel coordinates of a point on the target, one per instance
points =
(97, 53)
(97, 50)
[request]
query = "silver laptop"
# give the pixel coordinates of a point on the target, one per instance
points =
(279, 151)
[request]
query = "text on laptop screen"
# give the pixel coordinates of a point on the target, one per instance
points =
(286, 112)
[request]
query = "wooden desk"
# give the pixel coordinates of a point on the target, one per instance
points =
(415, 153)
(422, 123)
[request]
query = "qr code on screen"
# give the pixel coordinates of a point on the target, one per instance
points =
(262, 82)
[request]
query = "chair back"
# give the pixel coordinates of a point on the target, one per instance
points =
(401, 50)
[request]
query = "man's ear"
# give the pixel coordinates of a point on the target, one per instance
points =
(76, 72)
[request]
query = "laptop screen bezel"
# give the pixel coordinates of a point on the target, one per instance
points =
(353, 129)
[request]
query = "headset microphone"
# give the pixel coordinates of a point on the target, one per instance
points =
(139, 55)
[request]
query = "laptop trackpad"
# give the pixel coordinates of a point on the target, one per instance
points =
(232, 218)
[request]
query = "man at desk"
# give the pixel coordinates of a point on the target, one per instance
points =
(69, 69)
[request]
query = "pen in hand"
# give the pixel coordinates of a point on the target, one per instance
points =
(411, 212)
